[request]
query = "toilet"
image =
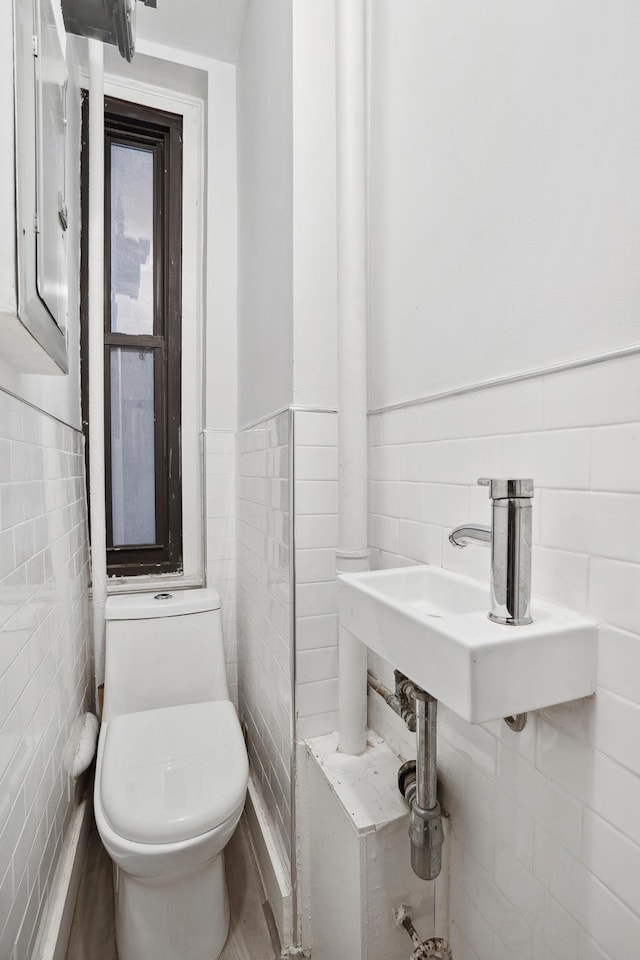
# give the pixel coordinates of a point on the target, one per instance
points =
(171, 774)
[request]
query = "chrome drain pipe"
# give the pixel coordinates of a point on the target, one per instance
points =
(418, 782)
(418, 779)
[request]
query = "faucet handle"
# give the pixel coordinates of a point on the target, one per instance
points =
(507, 487)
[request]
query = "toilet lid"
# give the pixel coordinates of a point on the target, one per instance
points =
(174, 773)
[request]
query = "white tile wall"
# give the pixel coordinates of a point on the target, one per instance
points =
(219, 448)
(44, 655)
(264, 609)
(546, 844)
(316, 538)
(264, 588)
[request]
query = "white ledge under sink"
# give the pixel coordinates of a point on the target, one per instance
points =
(432, 625)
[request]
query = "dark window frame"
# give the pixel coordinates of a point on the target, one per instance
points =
(137, 125)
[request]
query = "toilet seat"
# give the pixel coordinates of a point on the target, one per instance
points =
(174, 773)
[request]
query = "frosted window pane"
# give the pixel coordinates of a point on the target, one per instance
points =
(131, 240)
(132, 447)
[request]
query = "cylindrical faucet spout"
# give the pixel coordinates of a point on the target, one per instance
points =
(470, 533)
(510, 539)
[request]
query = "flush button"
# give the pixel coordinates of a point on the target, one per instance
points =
(163, 596)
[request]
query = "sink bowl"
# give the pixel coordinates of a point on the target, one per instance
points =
(433, 626)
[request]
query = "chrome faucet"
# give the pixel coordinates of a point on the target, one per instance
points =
(510, 539)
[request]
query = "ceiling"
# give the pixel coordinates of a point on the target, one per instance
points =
(209, 28)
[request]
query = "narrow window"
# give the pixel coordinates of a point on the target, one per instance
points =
(142, 336)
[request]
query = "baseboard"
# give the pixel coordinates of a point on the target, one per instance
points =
(55, 927)
(274, 871)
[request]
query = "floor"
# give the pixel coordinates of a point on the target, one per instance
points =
(252, 934)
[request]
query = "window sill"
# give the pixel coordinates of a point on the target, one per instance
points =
(118, 585)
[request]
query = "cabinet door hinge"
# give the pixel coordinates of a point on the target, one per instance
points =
(36, 223)
(34, 44)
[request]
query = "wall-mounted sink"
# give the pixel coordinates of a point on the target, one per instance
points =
(432, 625)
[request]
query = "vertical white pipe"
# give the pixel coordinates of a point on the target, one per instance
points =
(352, 554)
(96, 351)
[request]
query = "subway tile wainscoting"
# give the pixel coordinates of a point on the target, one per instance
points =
(545, 855)
(264, 610)
(264, 593)
(45, 681)
(268, 584)
(316, 539)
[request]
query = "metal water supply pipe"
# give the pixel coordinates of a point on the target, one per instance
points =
(435, 948)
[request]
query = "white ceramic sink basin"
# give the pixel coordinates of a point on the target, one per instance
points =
(433, 626)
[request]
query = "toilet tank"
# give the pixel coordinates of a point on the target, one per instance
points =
(162, 650)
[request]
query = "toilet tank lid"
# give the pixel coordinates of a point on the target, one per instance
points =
(163, 603)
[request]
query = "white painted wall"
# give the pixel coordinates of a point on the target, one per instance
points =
(221, 369)
(208, 28)
(314, 205)
(287, 208)
(505, 141)
(265, 211)
(504, 211)
(181, 74)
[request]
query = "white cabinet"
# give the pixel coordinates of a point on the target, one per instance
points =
(52, 80)
(34, 274)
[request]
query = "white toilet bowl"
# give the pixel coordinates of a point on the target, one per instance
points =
(170, 788)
